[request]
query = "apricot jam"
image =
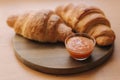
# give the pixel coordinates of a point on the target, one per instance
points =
(80, 46)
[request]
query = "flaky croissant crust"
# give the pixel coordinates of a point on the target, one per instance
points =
(43, 26)
(83, 18)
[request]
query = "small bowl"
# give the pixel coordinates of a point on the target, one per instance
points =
(80, 45)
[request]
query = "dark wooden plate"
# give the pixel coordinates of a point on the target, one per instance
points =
(53, 58)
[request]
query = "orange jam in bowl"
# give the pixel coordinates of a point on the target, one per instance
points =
(80, 45)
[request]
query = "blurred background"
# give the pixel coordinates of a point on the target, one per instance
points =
(12, 69)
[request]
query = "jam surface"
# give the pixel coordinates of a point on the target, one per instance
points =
(80, 47)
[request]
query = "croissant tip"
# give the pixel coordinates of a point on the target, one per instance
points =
(105, 41)
(11, 20)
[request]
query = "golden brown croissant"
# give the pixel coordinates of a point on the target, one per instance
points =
(87, 19)
(43, 26)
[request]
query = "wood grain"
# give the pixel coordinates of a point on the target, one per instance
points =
(54, 58)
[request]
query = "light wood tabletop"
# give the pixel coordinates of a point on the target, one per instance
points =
(12, 69)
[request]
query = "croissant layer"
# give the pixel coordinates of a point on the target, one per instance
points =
(88, 19)
(43, 26)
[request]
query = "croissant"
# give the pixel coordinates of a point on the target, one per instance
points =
(43, 26)
(87, 19)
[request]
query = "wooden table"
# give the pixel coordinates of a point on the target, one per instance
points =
(12, 69)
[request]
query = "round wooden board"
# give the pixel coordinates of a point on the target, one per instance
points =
(54, 58)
